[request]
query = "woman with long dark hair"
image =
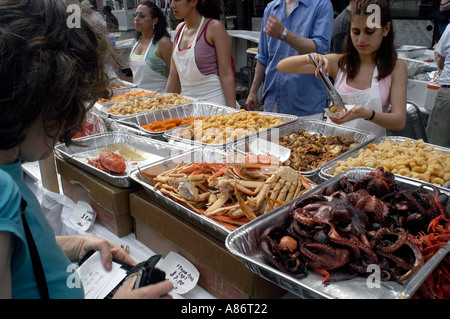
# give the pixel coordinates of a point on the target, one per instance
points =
(50, 71)
(202, 61)
(152, 49)
(368, 74)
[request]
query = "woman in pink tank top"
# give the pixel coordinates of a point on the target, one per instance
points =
(368, 74)
(202, 54)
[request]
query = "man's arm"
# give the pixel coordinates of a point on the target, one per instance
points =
(275, 28)
(439, 61)
(252, 99)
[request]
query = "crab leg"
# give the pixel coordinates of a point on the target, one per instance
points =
(245, 209)
(291, 193)
(221, 200)
(190, 168)
(233, 221)
(217, 174)
(176, 197)
(221, 210)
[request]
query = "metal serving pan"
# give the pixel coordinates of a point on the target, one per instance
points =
(411, 51)
(199, 154)
(327, 170)
(146, 151)
(178, 134)
(415, 67)
(243, 243)
(104, 107)
(194, 109)
(117, 92)
(312, 126)
(206, 154)
(126, 86)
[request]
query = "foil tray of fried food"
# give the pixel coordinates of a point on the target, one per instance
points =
(313, 144)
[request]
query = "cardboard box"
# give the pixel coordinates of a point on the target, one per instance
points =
(422, 93)
(111, 203)
(49, 176)
(221, 273)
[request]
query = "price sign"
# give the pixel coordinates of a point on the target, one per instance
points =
(83, 216)
(183, 275)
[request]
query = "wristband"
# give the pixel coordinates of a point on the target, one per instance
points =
(372, 116)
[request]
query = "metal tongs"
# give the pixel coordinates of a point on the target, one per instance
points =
(332, 93)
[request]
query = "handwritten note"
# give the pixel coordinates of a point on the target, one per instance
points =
(180, 272)
(83, 216)
(97, 281)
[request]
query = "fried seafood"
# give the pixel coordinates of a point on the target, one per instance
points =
(218, 129)
(127, 95)
(143, 104)
(160, 126)
(409, 158)
(337, 109)
(232, 195)
(312, 150)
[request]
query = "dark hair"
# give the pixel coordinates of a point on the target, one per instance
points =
(48, 69)
(386, 56)
(209, 8)
(160, 27)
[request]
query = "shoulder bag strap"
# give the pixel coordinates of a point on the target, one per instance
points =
(35, 259)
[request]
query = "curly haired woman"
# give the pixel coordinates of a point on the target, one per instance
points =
(49, 73)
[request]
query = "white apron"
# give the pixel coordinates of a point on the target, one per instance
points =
(206, 88)
(370, 98)
(143, 76)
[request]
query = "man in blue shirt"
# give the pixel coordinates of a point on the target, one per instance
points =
(292, 27)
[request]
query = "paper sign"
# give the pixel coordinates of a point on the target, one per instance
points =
(261, 146)
(83, 216)
(183, 275)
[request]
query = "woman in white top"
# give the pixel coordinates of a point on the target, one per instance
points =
(202, 54)
(151, 51)
(368, 74)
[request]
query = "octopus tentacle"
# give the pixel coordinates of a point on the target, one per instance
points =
(397, 260)
(283, 260)
(324, 256)
(401, 234)
(418, 261)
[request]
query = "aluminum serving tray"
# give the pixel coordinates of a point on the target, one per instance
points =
(206, 154)
(313, 126)
(243, 243)
(126, 86)
(151, 150)
(194, 109)
(286, 118)
(104, 107)
(326, 172)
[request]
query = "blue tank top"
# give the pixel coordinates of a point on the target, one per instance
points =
(62, 281)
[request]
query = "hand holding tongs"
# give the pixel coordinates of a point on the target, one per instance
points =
(332, 93)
